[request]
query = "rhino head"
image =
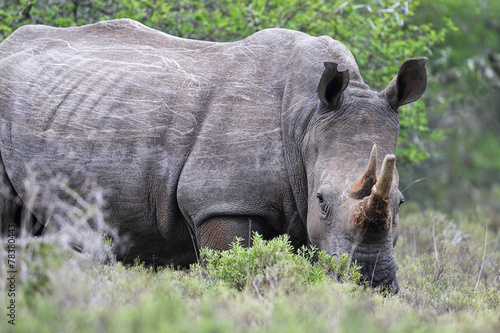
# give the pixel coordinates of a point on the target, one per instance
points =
(353, 197)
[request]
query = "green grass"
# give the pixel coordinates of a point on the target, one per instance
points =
(448, 284)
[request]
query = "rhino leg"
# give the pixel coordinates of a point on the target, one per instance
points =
(219, 232)
(13, 215)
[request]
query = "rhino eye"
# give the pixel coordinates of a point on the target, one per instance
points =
(322, 205)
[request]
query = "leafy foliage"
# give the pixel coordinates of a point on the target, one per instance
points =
(268, 265)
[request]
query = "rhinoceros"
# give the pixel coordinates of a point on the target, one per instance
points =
(195, 143)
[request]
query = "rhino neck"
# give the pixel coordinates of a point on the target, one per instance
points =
(295, 123)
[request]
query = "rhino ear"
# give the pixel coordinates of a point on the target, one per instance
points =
(409, 85)
(331, 85)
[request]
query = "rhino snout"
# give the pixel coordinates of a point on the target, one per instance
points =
(383, 277)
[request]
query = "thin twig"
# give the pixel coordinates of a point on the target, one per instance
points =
(484, 255)
(495, 266)
(374, 267)
(256, 288)
(435, 243)
(414, 182)
(249, 231)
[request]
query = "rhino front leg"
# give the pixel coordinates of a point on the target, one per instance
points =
(219, 232)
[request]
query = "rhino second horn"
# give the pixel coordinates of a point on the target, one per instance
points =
(363, 187)
(384, 183)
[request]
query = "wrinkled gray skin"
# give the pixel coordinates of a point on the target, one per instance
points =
(195, 143)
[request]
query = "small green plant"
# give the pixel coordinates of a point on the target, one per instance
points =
(268, 265)
(41, 258)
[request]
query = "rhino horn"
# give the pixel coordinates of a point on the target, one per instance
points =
(372, 212)
(384, 184)
(363, 187)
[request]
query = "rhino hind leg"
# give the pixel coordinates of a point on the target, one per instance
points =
(13, 215)
(219, 232)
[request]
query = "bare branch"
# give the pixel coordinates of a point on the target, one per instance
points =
(484, 255)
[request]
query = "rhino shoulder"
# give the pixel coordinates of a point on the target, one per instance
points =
(305, 53)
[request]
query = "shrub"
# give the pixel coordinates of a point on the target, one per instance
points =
(268, 265)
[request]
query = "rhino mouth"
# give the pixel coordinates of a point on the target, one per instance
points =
(380, 274)
(378, 270)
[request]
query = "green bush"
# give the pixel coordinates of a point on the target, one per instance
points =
(269, 265)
